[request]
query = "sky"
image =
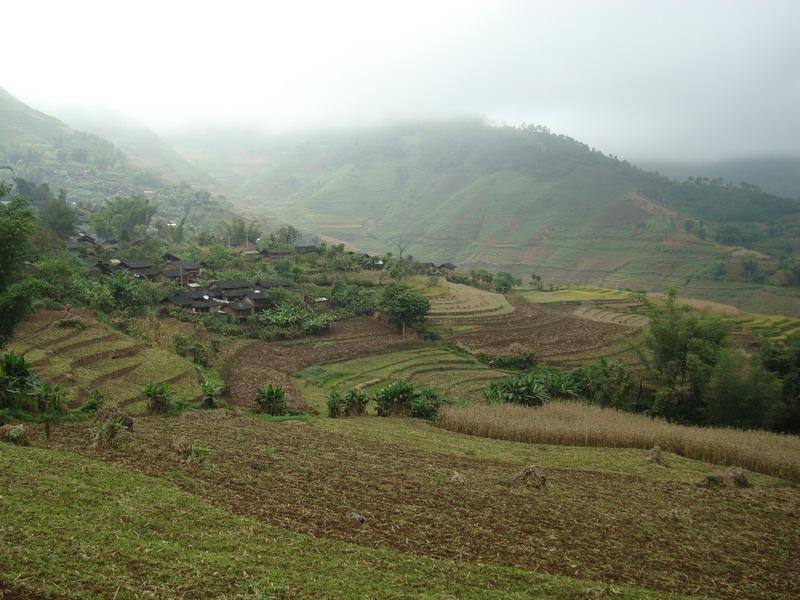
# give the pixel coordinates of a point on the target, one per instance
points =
(643, 79)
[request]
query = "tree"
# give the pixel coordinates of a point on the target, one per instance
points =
(401, 246)
(404, 307)
(751, 268)
(288, 235)
(235, 231)
(742, 393)
(16, 225)
(682, 347)
(122, 218)
(57, 216)
(503, 282)
(37, 194)
(253, 233)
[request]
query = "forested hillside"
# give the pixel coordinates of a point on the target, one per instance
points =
(41, 148)
(774, 174)
(520, 199)
(517, 199)
(140, 144)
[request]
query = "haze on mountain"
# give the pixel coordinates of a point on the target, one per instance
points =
(644, 80)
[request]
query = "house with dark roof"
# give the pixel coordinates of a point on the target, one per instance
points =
(267, 284)
(168, 257)
(239, 310)
(306, 249)
(230, 284)
(259, 298)
(196, 300)
(143, 269)
(447, 269)
(428, 268)
(276, 253)
(181, 271)
(84, 238)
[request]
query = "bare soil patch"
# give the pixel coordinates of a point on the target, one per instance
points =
(548, 331)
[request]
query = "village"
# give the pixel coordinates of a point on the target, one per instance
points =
(236, 298)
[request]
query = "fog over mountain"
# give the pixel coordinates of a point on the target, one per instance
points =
(643, 80)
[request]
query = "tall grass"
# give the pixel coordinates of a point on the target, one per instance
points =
(578, 424)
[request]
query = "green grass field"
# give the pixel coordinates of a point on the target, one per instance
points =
(572, 294)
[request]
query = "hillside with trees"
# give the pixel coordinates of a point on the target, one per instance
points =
(516, 199)
(44, 150)
(140, 144)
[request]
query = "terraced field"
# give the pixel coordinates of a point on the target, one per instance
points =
(773, 327)
(98, 358)
(467, 302)
(456, 375)
(258, 363)
(643, 281)
(625, 350)
(548, 331)
(572, 294)
(602, 313)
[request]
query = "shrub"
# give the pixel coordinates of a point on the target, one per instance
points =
(271, 400)
(290, 319)
(15, 380)
(425, 404)
(22, 389)
(14, 434)
(522, 389)
(352, 299)
(521, 359)
(94, 402)
(607, 383)
(212, 388)
(197, 454)
(105, 434)
(335, 403)
(160, 398)
(395, 399)
(194, 351)
(49, 397)
(351, 404)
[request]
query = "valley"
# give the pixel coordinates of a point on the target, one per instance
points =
(429, 360)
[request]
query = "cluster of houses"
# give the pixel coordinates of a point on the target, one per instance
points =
(236, 298)
(171, 269)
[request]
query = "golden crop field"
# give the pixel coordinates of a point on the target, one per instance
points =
(579, 424)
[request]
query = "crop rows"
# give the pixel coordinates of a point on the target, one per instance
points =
(770, 326)
(463, 301)
(459, 377)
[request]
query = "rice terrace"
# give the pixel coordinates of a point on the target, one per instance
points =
(322, 309)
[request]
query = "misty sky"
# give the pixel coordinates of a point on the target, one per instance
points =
(641, 79)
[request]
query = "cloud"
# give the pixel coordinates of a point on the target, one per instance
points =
(642, 79)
